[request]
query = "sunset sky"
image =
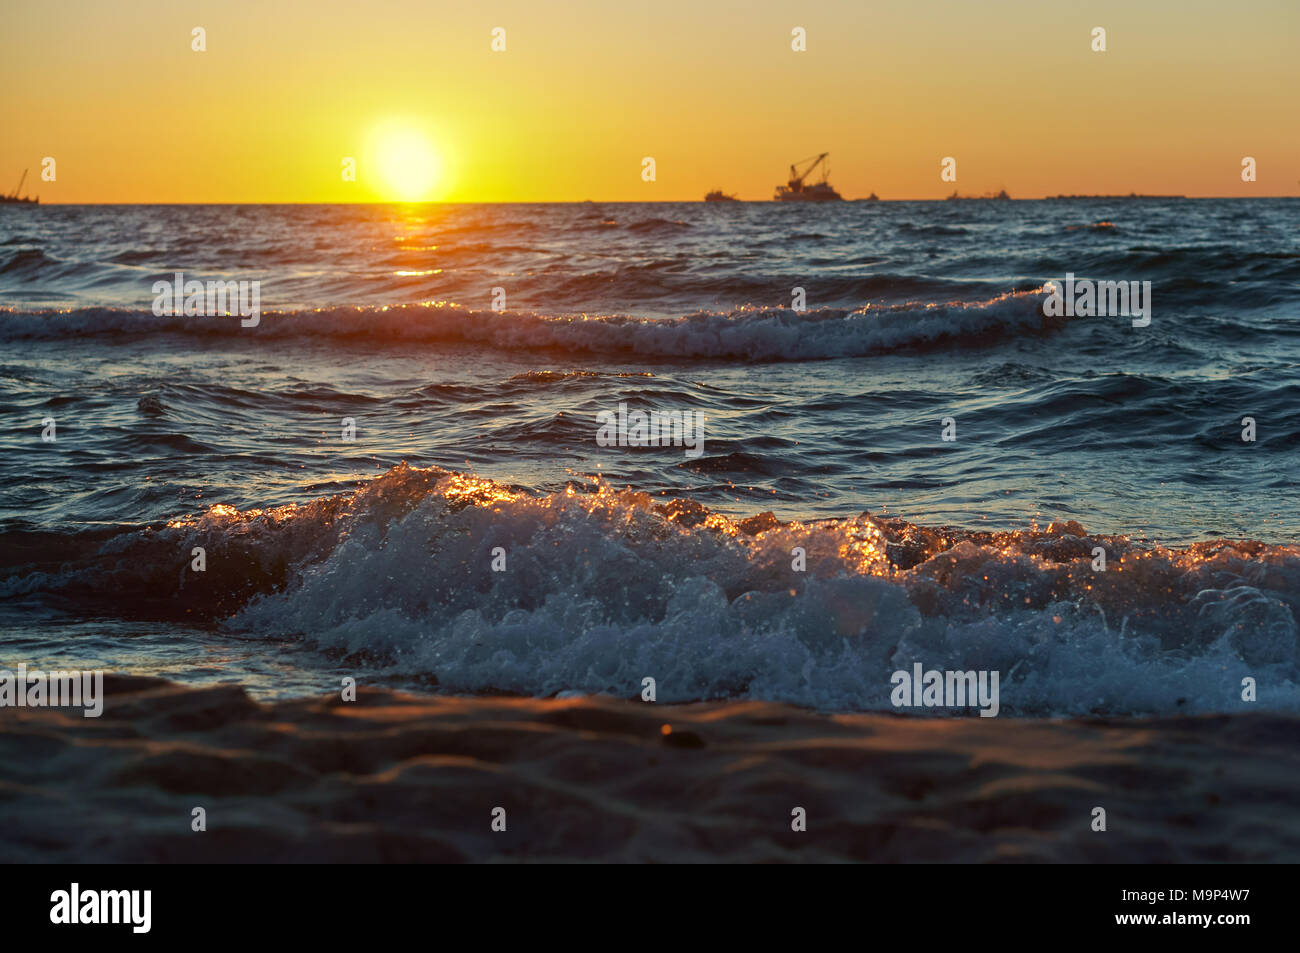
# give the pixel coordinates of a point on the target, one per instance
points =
(584, 90)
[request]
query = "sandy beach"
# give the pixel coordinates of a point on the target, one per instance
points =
(395, 777)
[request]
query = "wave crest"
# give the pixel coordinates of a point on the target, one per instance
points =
(753, 334)
(603, 588)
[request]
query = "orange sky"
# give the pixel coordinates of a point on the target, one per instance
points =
(711, 90)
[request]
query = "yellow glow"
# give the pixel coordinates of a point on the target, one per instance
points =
(407, 167)
(1010, 88)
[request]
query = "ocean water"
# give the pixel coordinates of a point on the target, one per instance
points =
(476, 433)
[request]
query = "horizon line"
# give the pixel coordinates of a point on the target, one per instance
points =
(962, 198)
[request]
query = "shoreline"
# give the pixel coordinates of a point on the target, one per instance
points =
(397, 777)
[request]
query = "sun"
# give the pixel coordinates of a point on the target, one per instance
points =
(408, 165)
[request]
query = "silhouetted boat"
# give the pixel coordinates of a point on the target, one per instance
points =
(13, 199)
(1131, 195)
(717, 195)
(999, 197)
(796, 191)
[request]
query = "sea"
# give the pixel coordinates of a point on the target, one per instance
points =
(395, 472)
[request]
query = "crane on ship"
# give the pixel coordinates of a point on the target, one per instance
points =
(796, 191)
(796, 177)
(14, 199)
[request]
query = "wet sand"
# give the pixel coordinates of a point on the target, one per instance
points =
(396, 777)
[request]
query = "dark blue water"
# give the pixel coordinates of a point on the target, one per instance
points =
(629, 561)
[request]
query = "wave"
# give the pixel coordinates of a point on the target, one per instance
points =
(652, 225)
(29, 263)
(1212, 264)
(600, 589)
(933, 231)
(753, 334)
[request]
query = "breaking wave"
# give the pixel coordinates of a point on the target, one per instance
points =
(601, 589)
(754, 334)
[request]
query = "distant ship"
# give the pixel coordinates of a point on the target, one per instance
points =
(717, 195)
(13, 199)
(1000, 197)
(796, 191)
(1131, 195)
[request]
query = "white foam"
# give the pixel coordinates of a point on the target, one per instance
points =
(748, 333)
(603, 590)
